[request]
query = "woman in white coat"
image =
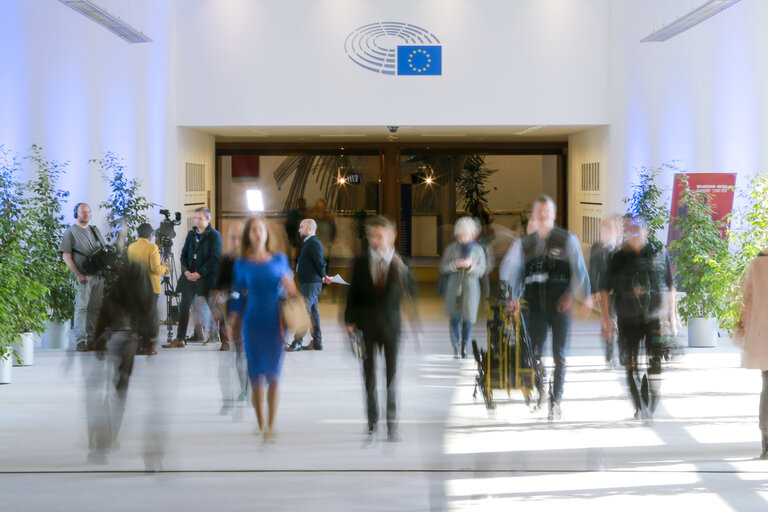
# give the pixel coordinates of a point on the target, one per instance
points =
(464, 264)
(753, 330)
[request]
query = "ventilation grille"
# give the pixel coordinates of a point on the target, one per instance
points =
(590, 177)
(195, 177)
(195, 184)
(590, 229)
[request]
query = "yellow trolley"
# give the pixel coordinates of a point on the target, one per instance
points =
(507, 363)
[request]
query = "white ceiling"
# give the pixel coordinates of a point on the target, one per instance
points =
(409, 134)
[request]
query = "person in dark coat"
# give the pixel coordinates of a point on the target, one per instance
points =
(380, 282)
(640, 279)
(310, 270)
(599, 255)
(200, 259)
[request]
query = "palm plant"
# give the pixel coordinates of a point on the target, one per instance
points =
(326, 169)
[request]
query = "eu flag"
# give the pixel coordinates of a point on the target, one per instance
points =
(420, 60)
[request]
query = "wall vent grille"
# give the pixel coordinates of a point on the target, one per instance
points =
(590, 177)
(195, 177)
(590, 229)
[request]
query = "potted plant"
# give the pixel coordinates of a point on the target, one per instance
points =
(648, 201)
(126, 207)
(472, 182)
(44, 213)
(747, 237)
(23, 307)
(699, 255)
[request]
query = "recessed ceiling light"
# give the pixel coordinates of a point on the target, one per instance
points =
(529, 129)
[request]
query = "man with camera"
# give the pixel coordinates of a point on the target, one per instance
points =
(200, 259)
(78, 244)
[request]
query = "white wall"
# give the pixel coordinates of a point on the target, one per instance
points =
(585, 147)
(77, 90)
(700, 98)
(267, 63)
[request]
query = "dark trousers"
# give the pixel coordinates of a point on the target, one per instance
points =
(631, 337)
(389, 346)
(189, 290)
(539, 322)
(311, 291)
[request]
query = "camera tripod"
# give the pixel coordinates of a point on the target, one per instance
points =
(171, 294)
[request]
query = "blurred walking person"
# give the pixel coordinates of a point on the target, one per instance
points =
(640, 280)
(752, 331)
(232, 364)
(599, 255)
(127, 316)
(380, 282)
(546, 268)
(260, 277)
(464, 265)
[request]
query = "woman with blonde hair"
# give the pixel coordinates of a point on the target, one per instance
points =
(260, 277)
(464, 264)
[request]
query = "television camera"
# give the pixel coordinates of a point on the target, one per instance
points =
(164, 236)
(166, 232)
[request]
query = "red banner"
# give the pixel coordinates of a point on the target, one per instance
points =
(719, 188)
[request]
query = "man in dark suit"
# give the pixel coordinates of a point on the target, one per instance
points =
(310, 270)
(380, 281)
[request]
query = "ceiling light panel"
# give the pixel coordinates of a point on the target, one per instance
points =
(693, 18)
(109, 21)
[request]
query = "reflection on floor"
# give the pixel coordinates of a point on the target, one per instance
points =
(454, 455)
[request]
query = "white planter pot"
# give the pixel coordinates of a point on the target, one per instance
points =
(57, 335)
(25, 348)
(6, 368)
(702, 332)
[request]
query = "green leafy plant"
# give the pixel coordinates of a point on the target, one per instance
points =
(47, 226)
(747, 237)
(23, 307)
(700, 255)
(126, 207)
(471, 183)
(648, 200)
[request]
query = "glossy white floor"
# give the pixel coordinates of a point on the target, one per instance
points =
(700, 452)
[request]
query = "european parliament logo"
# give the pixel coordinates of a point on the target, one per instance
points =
(392, 48)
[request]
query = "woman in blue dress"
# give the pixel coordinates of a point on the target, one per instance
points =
(259, 277)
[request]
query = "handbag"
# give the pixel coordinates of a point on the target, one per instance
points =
(442, 284)
(293, 310)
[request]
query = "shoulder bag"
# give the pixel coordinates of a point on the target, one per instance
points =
(293, 310)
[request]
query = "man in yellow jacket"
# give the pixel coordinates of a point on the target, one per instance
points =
(147, 254)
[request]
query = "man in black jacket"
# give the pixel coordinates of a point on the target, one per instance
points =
(380, 281)
(310, 270)
(200, 258)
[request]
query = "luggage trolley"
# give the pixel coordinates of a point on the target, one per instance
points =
(507, 362)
